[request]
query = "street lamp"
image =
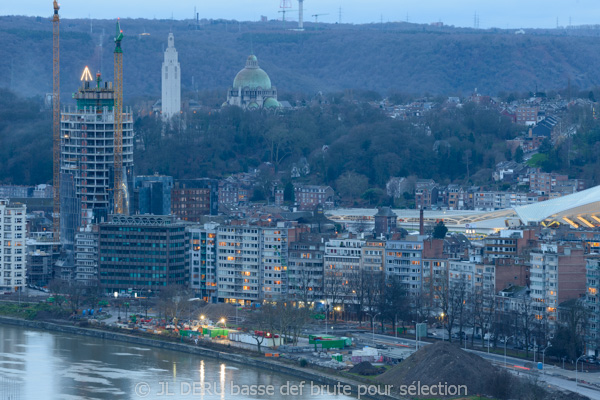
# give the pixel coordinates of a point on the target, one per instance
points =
(544, 355)
(576, 382)
(442, 315)
(505, 342)
(373, 324)
(326, 317)
(416, 335)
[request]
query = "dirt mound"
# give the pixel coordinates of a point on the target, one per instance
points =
(446, 364)
(443, 363)
(366, 368)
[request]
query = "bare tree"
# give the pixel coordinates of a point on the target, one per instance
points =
(258, 323)
(451, 298)
(525, 319)
(569, 339)
(483, 311)
(360, 285)
(308, 285)
(173, 300)
(335, 288)
(392, 299)
(422, 306)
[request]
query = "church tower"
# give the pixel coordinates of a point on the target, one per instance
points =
(171, 81)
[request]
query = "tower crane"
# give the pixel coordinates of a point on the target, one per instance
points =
(56, 120)
(118, 119)
(317, 17)
(285, 10)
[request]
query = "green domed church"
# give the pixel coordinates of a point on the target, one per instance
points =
(252, 88)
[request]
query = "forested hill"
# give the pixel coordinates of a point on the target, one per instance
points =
(398, 57)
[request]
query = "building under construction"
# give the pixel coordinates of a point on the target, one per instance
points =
(87, 165)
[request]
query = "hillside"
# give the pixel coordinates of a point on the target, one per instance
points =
(396, 57)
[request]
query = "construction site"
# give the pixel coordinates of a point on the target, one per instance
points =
(92, 152)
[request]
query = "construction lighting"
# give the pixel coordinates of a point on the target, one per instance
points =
(588, 224)
(86, 75)
(573, 224)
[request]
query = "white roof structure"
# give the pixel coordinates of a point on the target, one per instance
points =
(581, 208)
(578, 209)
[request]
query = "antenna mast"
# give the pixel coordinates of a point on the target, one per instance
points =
(56, 120)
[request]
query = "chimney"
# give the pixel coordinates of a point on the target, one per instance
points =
(421, 223)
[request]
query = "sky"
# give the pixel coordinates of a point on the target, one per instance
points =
(510, 14)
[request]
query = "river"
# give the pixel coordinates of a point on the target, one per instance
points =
(53, 366)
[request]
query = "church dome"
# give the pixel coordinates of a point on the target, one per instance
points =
(252, 76)
(271, 103)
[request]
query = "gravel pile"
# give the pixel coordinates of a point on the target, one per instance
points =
(447, 364)
(442, 362)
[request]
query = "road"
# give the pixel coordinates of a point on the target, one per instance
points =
(554, 376)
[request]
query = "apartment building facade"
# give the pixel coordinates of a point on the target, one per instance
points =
(203, 261)
(13, 265)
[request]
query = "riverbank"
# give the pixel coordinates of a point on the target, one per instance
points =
(317, 377)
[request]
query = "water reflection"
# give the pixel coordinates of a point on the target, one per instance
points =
(67, 367)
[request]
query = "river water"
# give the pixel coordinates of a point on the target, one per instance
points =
(54, 366)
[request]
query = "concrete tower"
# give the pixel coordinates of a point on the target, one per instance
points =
(171, 81)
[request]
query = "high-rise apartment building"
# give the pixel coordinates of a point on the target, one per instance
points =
(13, 264)
(203, 261)
(239, 273)
(592, 304)
(87, 156)
(306, 269)
(274, 261)
(558, 274)
(86, 255)
(342, 264)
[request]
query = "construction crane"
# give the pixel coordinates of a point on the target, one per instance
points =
(317, 17)
(56, 120)
(286, 6)
(283, 12)
(118, 118)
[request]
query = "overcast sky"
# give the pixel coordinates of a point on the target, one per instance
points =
(491, 13)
